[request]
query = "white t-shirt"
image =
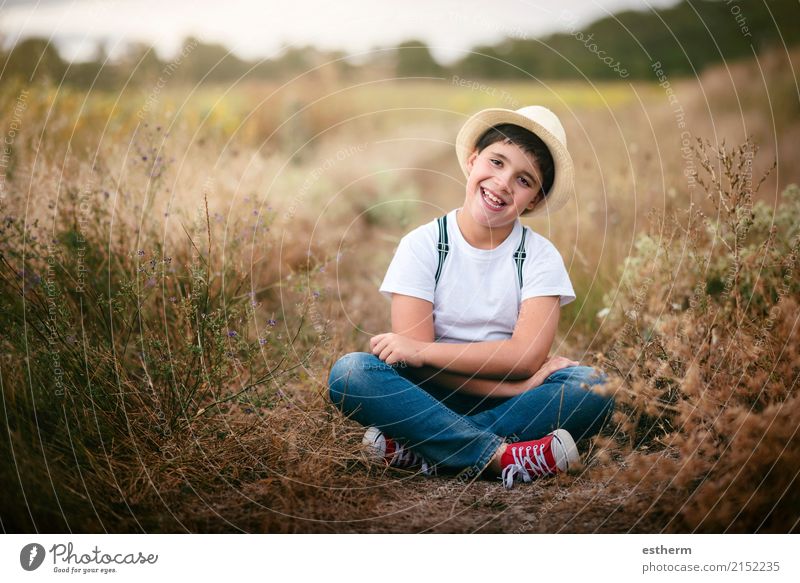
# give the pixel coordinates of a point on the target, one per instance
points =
(478, 296)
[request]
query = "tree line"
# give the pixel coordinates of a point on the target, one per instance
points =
(684, 39)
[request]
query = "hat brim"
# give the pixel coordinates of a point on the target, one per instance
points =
(564, 173)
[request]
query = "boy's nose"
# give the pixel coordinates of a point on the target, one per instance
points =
(504, 181)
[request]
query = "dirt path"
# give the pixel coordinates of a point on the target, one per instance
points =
(318, 482)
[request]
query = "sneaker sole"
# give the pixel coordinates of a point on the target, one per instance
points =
(375, 443)
(564, 450)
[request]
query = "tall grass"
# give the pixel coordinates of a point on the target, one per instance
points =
(704, 347)
(131, 359)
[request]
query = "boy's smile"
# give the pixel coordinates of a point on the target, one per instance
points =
(503, 182)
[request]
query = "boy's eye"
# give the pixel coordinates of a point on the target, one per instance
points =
(524, 181)
(495, 161)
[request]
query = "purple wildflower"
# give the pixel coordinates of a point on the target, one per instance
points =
(262, 341)
(232, 334)
(272, 322)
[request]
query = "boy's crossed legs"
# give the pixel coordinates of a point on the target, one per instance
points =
(466, 433)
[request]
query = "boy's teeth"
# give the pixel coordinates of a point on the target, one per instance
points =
(492, 197)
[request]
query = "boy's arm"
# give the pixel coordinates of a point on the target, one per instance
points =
(472, 385)
(412, 318)
(518, 358)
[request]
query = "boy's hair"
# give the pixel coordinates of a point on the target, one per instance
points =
(530, 144)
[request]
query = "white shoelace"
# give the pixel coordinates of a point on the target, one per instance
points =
(525, 466)
(404, 457)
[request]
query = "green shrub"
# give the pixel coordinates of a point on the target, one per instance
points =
(703, 350)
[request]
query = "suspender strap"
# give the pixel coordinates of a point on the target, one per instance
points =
(519, 256)
(443, 247)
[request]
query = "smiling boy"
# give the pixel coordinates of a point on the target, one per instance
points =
(475, 307)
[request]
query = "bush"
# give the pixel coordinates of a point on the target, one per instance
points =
(119, 360)
(704, 353)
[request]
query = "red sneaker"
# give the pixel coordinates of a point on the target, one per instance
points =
(394, 454)
(553, 453)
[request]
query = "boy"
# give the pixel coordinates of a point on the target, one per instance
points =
(475, 306)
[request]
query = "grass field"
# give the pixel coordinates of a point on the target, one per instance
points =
(179, 274)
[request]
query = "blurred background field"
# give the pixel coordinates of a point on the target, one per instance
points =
(188, 247)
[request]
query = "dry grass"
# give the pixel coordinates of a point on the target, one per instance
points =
(153, 431)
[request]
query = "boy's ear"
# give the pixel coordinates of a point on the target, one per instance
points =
(471, 160)
(536, 200)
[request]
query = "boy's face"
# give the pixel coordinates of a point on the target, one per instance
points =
(503, 182)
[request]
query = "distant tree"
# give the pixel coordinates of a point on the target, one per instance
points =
(684, 39)
(210, 62)
(35, 58)
(484, 62)
(139, 64)
(414, 59)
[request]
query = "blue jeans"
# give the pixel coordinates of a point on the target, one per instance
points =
(460, 432)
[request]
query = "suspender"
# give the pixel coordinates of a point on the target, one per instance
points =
(519, 256)
(443, 248)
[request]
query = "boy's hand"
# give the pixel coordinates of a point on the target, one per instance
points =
(551, 365)
(393, 348)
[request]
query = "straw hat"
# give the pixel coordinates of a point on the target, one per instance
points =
(538, 120)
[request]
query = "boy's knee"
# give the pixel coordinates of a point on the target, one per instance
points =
(345, 369)
(587, 377)
(603, 402)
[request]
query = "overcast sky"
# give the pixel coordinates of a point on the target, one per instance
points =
(259, 28)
